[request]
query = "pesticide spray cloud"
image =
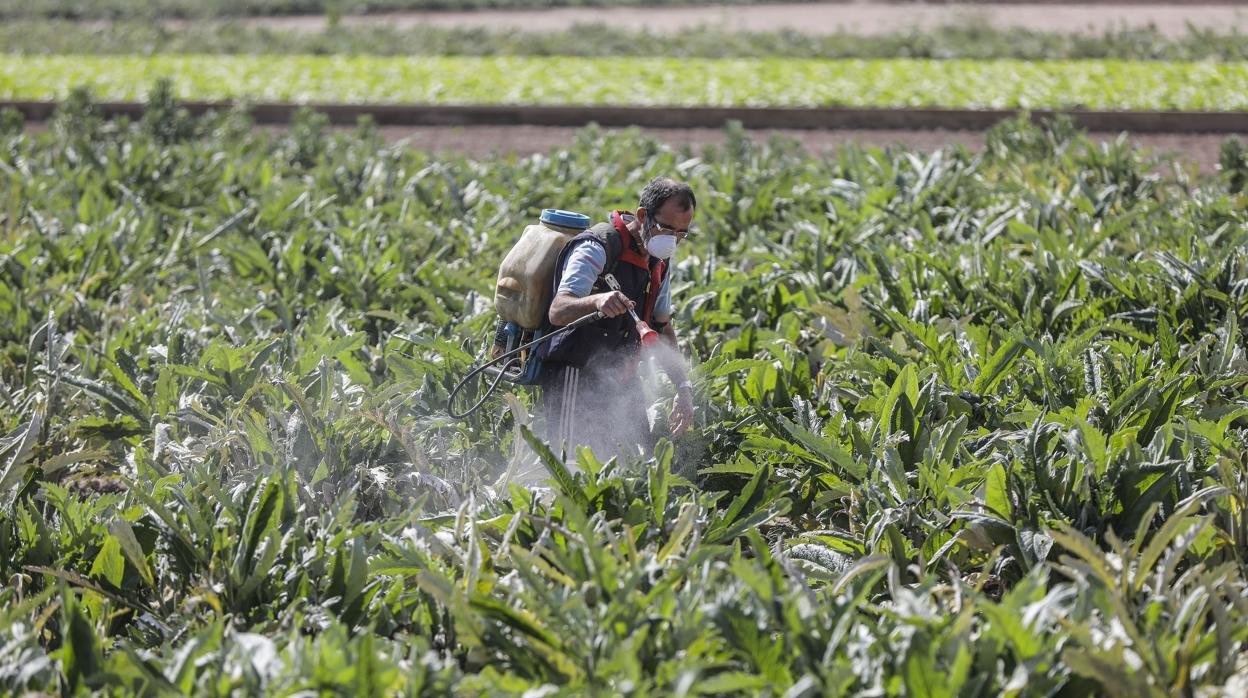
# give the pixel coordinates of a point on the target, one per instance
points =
(618, 412)
(658, 391)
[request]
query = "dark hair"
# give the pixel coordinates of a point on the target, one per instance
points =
(660, 190)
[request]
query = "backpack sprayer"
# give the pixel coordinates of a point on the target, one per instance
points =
(522, 299)
(520, 364)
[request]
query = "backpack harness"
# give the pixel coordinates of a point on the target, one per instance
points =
(640, 277)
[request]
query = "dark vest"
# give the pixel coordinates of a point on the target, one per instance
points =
(611, 336)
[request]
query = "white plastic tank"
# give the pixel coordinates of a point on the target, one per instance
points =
(526, 275)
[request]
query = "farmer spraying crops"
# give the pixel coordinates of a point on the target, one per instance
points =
(591, 390)
(579, 308)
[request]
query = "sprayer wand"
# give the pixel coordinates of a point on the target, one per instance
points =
(510, 358)
(648, 336)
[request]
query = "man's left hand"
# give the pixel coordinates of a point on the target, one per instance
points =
(682, 412)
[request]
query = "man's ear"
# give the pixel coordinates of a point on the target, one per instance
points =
(642, 216)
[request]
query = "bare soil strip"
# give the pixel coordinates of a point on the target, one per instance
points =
(819, 18)
(1200, 151)
(817, 118)
(478, 139)
(1196, 151)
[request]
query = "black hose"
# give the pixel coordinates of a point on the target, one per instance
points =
(450, 401)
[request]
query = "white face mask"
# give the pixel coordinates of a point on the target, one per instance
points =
(661, 246)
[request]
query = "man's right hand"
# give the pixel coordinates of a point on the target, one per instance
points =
(612, 303)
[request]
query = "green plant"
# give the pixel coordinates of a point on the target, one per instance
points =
(969, 423)
(778, 82)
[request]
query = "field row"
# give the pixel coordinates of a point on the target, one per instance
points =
(953, 41)
(120, 9)
(163, 9)
(1004, 84)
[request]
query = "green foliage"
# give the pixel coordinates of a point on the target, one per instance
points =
(779, 82)
(967, 40)
(1233, 160)
(969, 423)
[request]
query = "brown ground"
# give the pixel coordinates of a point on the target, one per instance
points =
(820, 18)
(1201, 150)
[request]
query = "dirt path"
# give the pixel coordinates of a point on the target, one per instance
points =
(480, 141)
(861, 17)
(525, 140)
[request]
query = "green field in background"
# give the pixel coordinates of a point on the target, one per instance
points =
(964, 40)
(1093, 84)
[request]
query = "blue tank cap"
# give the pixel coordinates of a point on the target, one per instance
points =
(565, 219)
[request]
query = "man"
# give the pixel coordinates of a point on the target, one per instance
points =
(591, 390)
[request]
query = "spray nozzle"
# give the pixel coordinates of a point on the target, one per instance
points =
(648, 336)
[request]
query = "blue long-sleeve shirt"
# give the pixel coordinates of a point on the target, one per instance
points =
(587, 262)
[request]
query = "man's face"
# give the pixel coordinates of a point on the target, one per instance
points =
(668, 220)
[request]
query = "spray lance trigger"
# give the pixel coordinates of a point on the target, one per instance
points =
(648, 336)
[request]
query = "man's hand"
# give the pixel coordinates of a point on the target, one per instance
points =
(682, 411)
(612, 303)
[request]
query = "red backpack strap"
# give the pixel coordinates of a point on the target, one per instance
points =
(627, 253)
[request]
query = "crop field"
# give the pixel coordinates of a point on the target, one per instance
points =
(967, 40)
(954, 41)
(125, 9)
(1094, 84)
(968, 423)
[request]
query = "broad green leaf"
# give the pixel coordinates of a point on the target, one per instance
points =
(1001, 361)
(123, 533)
(109, 563)
(996, 491)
